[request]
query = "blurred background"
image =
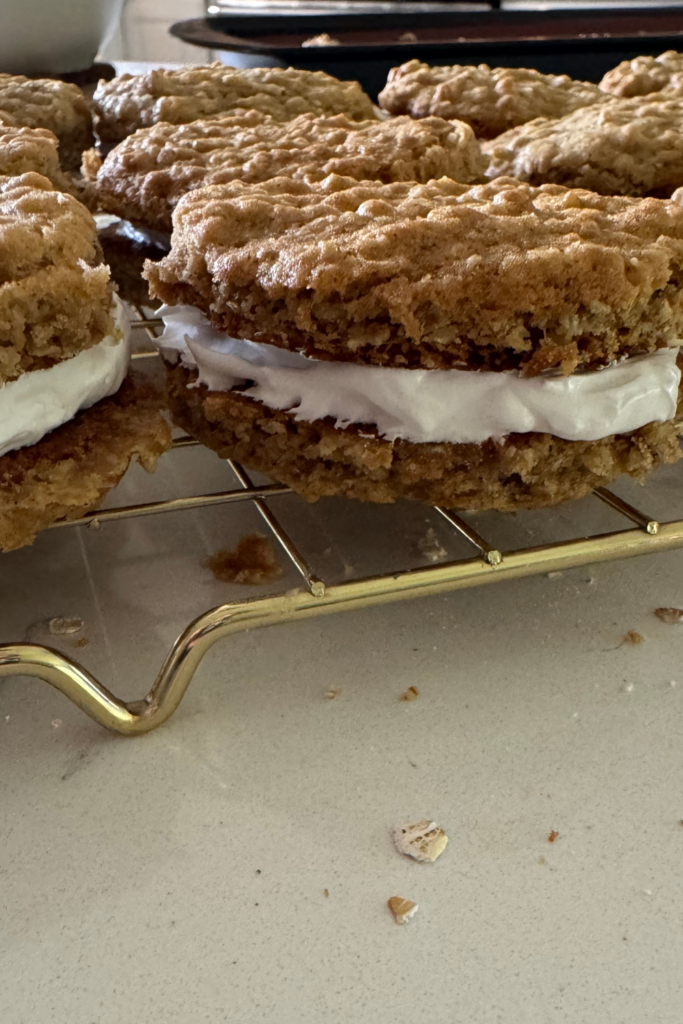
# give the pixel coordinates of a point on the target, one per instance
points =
(143, 32)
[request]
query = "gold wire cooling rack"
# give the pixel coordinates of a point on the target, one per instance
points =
(488, 564)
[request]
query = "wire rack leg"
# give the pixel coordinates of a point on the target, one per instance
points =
(181, 664)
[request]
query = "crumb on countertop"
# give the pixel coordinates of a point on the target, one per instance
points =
(430, 547)
(672, 616)
(332, 694)
(252, 562)
(412, 693)
(632, 637)
(553, 835)
(402, 909)
(424, 840)
(62, 625)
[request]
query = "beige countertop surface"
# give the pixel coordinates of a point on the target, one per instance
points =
(181, 876)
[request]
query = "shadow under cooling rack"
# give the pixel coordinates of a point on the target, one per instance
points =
(487, 548)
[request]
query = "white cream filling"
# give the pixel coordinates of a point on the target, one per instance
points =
(41, 400)
(457, 406)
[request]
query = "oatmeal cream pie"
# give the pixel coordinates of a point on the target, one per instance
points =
(498, 346)
(70, 417)
(627, 147)
(23, 150)
(46, 103)
(644, 75)
(143, 178)
(491, 100)
(129, 102)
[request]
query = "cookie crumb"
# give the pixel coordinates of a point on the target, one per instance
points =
(55, 723)
(412, 693)
(62, 625)
(326, 893)
(632, 637)
(252, 562)
(672, 616)
(552, 835)
(331, 694)
(402, 909)
(424, 841)
(83, 642)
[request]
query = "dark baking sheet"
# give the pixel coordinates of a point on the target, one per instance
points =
(582, 43)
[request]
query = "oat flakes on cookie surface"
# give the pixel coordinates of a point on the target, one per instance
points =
(47, 103)
(491, 100)
(436, 276)
(129, 102)
(630, 147)
(644, 75)
(143, 178)
(55, 297)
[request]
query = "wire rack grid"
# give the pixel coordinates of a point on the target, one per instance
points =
(488, 563)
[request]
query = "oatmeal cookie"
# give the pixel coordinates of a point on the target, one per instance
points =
(46, 103)
(644, 75)
(143, 178)
(496, 276)
(55, 296)
(69, 472)
(23, 150)
(491, 100)
(631, 147)
(317, 459)
(130, 102)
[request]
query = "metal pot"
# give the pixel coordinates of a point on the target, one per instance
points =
(54, 36)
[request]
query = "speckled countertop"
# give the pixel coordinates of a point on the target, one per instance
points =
(180, 877)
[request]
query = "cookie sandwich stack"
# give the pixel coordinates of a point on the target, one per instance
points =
(53, 105)
(142, 180)
(493, 346)
(71, 416)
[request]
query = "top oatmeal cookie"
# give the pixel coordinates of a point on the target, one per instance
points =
(47, 103)
(644, 75)
(130, 102)
(491, 100)
(55, 297)
(631, 147)
(497, 276)
(143, 178)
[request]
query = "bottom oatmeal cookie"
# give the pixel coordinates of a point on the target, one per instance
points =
(318, 459)
(68, 472)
